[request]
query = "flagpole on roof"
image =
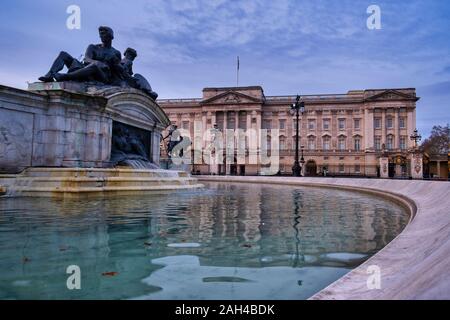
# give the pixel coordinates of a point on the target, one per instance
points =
(237, 73)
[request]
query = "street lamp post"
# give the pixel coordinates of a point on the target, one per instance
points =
(416, 137)
(297, 108)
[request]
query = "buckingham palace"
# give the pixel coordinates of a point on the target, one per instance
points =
(340, 134)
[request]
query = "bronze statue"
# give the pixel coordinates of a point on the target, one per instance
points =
(125, 71)
(128, 144)
(102, 63)
(98, 64)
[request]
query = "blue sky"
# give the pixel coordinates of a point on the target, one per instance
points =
(286, 46)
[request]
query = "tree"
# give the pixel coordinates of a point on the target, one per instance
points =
(438, 142)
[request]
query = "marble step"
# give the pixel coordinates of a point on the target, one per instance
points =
(93, 182)
(83, 172)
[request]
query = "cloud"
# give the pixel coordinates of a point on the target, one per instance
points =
(444, 71)
(436, 89)
(288, 46)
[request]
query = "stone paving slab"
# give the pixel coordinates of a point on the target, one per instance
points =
(416, 264)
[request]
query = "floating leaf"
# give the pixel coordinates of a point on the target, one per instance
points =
(110, 274)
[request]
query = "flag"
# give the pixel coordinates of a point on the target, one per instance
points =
(238, 62)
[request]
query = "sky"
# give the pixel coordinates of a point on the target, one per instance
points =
(288, 47)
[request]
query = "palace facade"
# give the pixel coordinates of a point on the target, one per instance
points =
(340, 134)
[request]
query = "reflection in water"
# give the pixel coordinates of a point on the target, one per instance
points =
(228, 241)
(297, 206)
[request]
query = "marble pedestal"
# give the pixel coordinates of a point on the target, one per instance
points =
(69, 124)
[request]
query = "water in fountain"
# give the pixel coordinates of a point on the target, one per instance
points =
(140, 164)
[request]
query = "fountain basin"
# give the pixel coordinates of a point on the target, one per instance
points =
(224, 241)
(415, 264)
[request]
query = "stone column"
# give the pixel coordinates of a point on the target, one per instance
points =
(236, 126)
(410, 126)
(249, 120)
(438, 168)
(179, 120)
(368, 130)
(204, 128)
(334, 130)
(213, 118)
(192, 118)
(225, 122)
(258, 128)
(383, 126)
(396, 129)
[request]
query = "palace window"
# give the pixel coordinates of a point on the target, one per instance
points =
(267, 124)
(402, 122)
(377, 123)
(341, 124)
(242, 120)
(403, 142)
(390, 142)
(341, 144)
(326, 143)
(377, 143)
(357, 144)
(282, 143)
(294, 123)
(311, 124)
(357, 124)
(282, 123)
(231, 123)
(312, 143)
(185, 125)
(326, 124)
(389, 123)
(341, 168)
(357, 168)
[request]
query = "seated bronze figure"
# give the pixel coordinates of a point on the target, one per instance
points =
(102, 64)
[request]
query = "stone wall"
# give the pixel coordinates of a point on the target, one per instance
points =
(53, 126)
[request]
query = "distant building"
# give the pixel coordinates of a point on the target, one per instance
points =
(342, 134)
(436, 166)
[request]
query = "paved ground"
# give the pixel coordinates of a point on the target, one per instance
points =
(415, 265)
